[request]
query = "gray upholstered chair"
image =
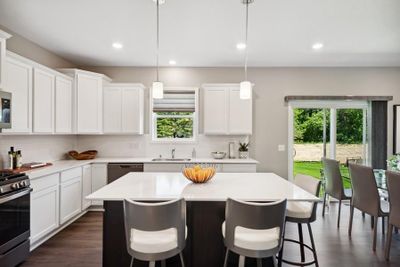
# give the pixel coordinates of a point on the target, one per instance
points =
(393, 182)
(155, 231)
(366, 196)
(303, 212)
(253, 229)
(334, 184)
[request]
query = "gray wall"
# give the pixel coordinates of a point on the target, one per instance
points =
(271, 85)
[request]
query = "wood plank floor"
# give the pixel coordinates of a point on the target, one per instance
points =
(79, 245)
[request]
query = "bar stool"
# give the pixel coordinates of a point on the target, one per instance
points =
(253, 229)
(366, 197)
(303, 213)
(155, 231)
(334, 184)
(393, 182)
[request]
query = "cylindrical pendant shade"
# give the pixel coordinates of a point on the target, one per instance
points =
(158, 90)
(245, 90)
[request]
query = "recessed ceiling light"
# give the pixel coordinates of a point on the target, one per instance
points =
(317, 46)
(117, 45)
(241, 46)
(172, 62)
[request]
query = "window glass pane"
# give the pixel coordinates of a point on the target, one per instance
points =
(174, 113)
(174, 127)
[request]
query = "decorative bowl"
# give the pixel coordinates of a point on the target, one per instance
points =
(218, 155)
(199, 174)
(85, 155)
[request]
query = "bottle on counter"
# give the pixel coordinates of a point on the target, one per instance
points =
(194, 153)
(10, 160)
(19, 159)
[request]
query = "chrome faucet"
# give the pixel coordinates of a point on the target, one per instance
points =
(173, 153)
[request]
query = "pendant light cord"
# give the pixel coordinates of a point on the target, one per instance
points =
(247, 49)
(158, 35)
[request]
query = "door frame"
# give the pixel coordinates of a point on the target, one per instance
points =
(333, 105)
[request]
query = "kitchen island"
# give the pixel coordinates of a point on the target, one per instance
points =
(205, 209)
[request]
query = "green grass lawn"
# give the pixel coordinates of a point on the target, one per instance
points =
(313, 168)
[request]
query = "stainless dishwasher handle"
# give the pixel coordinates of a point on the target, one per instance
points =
(129, 166)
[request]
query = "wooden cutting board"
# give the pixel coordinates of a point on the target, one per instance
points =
(25, 169)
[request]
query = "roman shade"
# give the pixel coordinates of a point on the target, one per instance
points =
(176, 101)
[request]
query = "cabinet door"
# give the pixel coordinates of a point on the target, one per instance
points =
(99, 179)
(89, 104)
(18, 81)
(215, 111)
(2, 60)
(112, 110)
(240, 113)
(86, 186)
(44, 212)
(63, 105)
(43, 101)
(70, 199)
(132, 111)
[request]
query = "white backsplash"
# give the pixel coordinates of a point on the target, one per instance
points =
(142, 146)
(38, 148)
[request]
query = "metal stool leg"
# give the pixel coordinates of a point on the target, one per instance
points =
(313, 244)
(131, 262)
(226, 257)
(182, 261)
(340, 209)
(274, 261)
(323, 207)
(152, 264)
(302, 254)
(383, 225)
(375, 230)
(351, 220)
(241, 260)
(388, 242)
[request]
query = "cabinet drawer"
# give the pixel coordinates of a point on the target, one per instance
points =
(71, 174)
(44, 182)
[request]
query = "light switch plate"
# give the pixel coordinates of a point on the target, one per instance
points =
(281, 148)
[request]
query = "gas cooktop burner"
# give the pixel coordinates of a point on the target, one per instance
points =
(10, 182)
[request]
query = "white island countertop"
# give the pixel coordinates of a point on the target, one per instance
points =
(167, 186)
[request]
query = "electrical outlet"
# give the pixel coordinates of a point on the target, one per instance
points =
(281, 148)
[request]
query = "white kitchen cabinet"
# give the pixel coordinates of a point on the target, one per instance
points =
(224, 113)
(44, 206)
(43, 101)
(123, 109)
(99, 179)
(18, 81)
(63, 105)
(88, 100)
(70, 194)
(86, 185)
(3, 37)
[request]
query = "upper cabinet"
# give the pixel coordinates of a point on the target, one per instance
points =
(63, 105)
(3, 37)
(224, 113)
(88, 100)
(18, 81)
(123, 108)
(43, 101)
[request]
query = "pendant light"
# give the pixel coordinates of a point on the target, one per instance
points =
(158, 87)
(246, 86)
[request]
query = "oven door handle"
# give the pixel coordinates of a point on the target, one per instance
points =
(14, 196)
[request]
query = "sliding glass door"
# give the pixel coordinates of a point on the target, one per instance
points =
(333, 129)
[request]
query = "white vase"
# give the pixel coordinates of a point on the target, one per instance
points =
(243, 154)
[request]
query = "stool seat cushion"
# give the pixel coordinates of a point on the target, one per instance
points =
(301, 210)
(154, 241)
(253, 239)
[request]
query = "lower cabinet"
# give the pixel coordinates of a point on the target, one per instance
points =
(86, 186)
(99, 179)
(70, 199)
(44, 206)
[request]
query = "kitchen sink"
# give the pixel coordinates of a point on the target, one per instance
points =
(170, 159)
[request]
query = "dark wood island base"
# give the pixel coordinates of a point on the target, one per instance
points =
(204, 245)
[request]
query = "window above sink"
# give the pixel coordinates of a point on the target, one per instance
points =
(174, 118)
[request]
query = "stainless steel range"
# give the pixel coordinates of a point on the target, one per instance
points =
(14, 218)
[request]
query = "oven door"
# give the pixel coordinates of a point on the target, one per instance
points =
(5, 110)
(14, 219)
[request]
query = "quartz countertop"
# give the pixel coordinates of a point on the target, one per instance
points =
(62, 165)
(166, 186)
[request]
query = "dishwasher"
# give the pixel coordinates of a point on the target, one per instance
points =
(116, 170)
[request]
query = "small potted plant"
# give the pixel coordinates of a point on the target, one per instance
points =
(243, 150)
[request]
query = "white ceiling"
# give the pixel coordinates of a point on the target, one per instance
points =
(205, 32)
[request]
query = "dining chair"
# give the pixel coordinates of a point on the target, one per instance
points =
(303, 213)
(155, 231)
(393, 184)
(334, 184)
(366, 196)
(253, 229)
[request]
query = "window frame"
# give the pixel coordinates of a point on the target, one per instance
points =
(195, 117)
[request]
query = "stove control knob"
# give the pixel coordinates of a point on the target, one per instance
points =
(15, 186)
(22, 184)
